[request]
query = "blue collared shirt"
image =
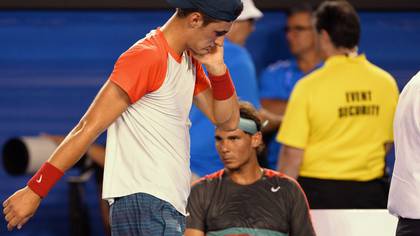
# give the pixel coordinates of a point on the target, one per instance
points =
(277, 82)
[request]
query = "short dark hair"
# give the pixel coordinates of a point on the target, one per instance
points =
(340, 20)
(183, 13)
(223, 10)
(300, 8)
(248, 111)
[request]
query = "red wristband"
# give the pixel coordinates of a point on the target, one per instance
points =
(222, 86)
(44, 179)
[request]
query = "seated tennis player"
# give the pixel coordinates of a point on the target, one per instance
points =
(244, 199)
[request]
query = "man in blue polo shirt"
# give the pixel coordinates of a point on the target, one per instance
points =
(277, 81)
(204, 158)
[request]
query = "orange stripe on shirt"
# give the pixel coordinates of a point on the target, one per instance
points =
(201, 81)
(142, 68)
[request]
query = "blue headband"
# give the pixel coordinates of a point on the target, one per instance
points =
(248, 125)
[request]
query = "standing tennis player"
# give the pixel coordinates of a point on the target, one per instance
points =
(144, 105)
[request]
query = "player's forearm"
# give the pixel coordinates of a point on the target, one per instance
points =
(74, 145)
(226, 113)
(225, 102)
(64, 157)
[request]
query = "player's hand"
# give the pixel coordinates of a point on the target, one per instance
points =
(213, 61)
(20, 207)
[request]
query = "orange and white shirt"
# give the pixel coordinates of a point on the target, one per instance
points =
(148, 146)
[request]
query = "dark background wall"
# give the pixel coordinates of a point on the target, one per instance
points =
(161, 4)
(52, 63)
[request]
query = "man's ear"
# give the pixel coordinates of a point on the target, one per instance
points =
(324, 36)
(256, 139)
(195, 20)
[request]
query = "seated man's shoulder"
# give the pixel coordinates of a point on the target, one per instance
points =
(208, 179)
(279, 66)
(232, 46)
(235, 52)
(278, 71)
(281, 178)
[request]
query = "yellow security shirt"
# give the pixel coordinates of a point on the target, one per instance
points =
(341, 115)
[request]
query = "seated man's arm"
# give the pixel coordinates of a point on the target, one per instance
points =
(196, 219)
(193, 232)
(96, 152)
(273, 111)
(388, 147)
(300, 219)
(290, 160)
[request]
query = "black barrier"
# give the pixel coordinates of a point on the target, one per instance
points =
(15, 157)
(78, 213)
(387, 5)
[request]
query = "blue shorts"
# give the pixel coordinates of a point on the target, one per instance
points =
(144, 214)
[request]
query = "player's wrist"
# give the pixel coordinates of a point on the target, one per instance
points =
(222, 86)
(217, 69)
(31, 192)
(46, 177)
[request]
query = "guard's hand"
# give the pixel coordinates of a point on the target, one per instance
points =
(20, 207)
(213, 61)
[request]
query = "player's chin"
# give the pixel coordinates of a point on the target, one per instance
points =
(232, 168)
(294, 50)
(199, 51)
(231, 165)
(207, 50)
(204, 51)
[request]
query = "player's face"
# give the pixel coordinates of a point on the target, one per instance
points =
(236, 148)
(300, 33)
(205, 37)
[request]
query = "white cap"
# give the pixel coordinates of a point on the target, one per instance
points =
(250, 11)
